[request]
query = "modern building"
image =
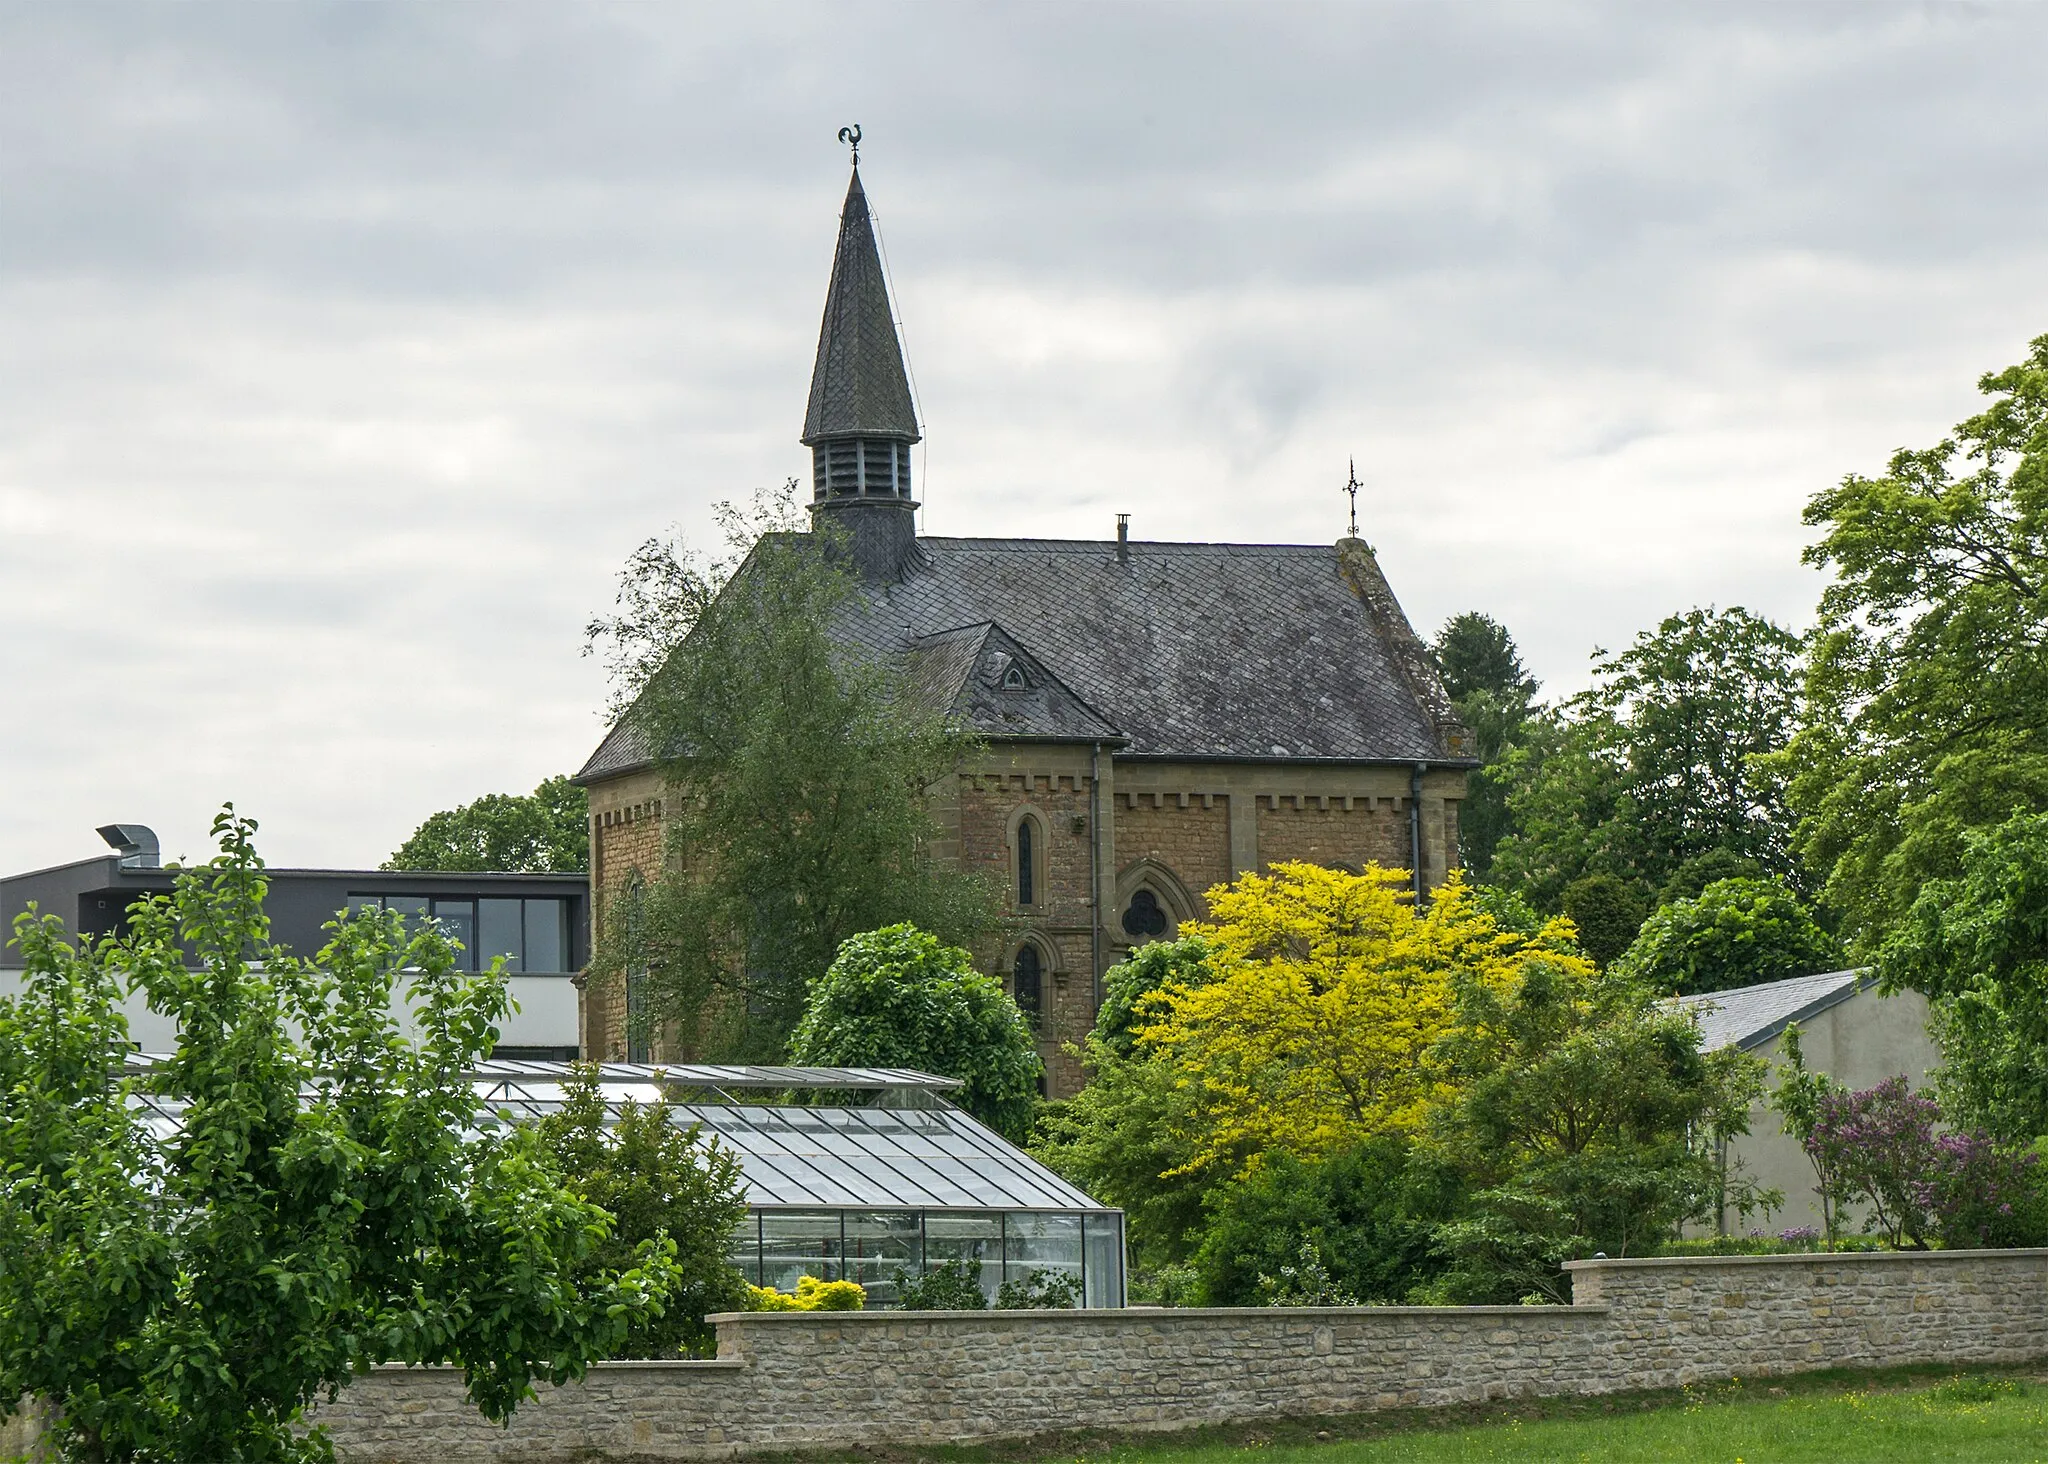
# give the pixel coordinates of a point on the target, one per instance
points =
(1848, 1030)
(539, 922)
(1157, 717)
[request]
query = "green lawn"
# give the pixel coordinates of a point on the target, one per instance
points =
(1897, 1417)
(1877, 1427)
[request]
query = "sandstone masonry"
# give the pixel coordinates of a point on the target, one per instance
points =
(823, 1381)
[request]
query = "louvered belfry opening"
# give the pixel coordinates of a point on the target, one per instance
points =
(860, 467)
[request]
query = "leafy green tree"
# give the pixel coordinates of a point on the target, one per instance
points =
(1977, 944)
(1149, 968)
(799, 765)
(1691, 878)
(329, 1194)
(546, 831)
(1736, 933)
(1369, 1214)
(1492, 690)
(1123, 1139)
(1929, 676)
(1662, 760)
(1475, 653)
(1582, 1118)
(1608, 913)
(898, 998)
(658, 1180)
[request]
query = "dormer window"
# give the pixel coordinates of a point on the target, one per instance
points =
(1013, 679)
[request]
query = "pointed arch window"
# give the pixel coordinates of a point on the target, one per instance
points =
(1027, 857)
(1027, 982)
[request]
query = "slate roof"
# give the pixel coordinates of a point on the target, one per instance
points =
(858, 387)
(1244, 652)
(1750, 1016)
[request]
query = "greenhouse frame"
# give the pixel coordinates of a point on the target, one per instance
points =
(851, 1173)
(873, 1172)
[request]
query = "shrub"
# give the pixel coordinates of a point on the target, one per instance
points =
(656, 1180)
(1040, 1291)
(1981, 1195)
(898, 998)
(949, 1286)
(1305, 1282)
(1369, 1213)
(811, 1294)
(1607, 911)
(1735, 933)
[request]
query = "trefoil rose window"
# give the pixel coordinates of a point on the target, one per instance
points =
(1144, 917)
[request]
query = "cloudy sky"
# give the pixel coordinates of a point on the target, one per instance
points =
(346, 350)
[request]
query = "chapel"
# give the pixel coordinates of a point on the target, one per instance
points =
(1153, 718)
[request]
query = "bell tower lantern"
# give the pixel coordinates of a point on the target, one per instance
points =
(861, 424)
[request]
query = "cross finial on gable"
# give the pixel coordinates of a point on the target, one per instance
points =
(1352, 488)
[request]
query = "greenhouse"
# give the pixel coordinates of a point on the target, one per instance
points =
(852, 1173)
(872, 1172)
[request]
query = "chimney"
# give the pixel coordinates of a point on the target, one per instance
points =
(135, 843)
(1123, 537)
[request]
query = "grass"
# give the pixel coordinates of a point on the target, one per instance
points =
(1896, 1416)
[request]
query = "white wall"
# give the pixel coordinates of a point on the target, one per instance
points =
(1859, 1043)
(546, 1015)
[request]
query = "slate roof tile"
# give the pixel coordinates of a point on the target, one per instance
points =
(1225, 651)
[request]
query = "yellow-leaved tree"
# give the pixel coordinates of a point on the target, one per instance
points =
(1328, 992)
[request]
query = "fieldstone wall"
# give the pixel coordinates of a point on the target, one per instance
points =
(823, 1380)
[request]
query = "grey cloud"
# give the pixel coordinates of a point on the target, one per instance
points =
(345, 350)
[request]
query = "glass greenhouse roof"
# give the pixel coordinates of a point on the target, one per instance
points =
(905, 1147)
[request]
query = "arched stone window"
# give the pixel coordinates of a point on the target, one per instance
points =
(1027, 982)
(1027, 859)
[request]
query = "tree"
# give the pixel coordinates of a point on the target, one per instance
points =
(799, 765)
(1368, 1214)
(1581, 1113)
(546, 831)
(1977, 944)
(1475, 653)
(1492, 690)
(1152, 967)
(657, 1180)
(1607, 913)
(191, 1254)
(1736, 933)
(1929, 675)
(898, 998)
(1663, 759)
(1328, 990)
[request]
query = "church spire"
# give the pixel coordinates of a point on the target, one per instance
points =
(861, 424)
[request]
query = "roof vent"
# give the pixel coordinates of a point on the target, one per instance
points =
(1123, 537)
(135, 843)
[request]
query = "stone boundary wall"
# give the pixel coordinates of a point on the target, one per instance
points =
(796, 1380)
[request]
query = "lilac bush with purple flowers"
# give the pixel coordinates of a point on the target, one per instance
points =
(1879, 1143)
(1880, 1146)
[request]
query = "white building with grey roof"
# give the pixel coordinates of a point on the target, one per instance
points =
(1848, 1030)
